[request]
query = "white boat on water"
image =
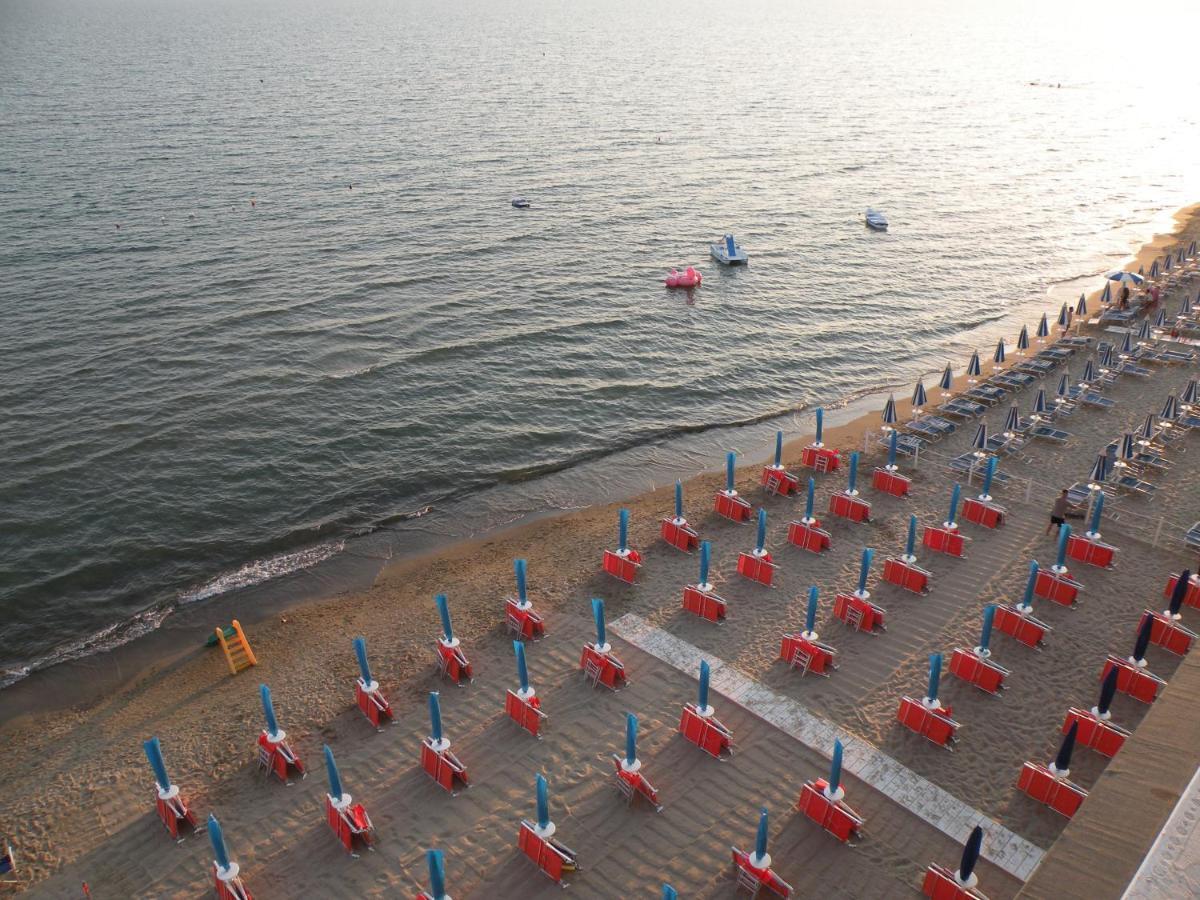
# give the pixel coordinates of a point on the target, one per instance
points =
(728, 253)
(876, 220)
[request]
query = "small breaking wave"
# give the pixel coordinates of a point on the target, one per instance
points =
(261, 570)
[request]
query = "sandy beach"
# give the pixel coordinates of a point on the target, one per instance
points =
(78, 797)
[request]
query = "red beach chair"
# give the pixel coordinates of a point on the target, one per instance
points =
(552, 858)
(823, 459)
(934, 724)
(950, 541)
(621, 566)
(981, 512)
(526, 713)
(977, 670)
(1168, 633)
(779, 481)
(833, 815)
(372, 703)
(680, 535)
(890, 482)
(442, 765)
(809, 536)
(602, 667)
(754, 879)
(278, 758)
(1099, 734)
(350, 823)
(706, 732)
(807, 655)
(731, 506)
(845, 506)
(907, 575)
(757, 568)
(526, 624)
(452, 662)
(859, 613)
(1093, 553)
(174, 813)
(940, 884)
(631, 783)
(230, 887)
(1054, 790)
(1025, 628)
(705, 604)
(1192, 597)
(1133, 680)
(1059, 587)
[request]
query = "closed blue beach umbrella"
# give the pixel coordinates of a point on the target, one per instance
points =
(1127, 344)
(1012, 422)
(979, 442)
(889, 413)
(973, 367)
(1089, 373)
(1081, 307)
(946, 380)
(1170, 410)
(998, 356)
(1148, 430)
(1191, 251)
(1064, 316)
(1167, 264)
(1126, 446)
(1106, 297)
(1099, 472)
(919, 399)
(1155, 269)
(1039, 404)
(1188, 397)
(1023, 340)
(1144, 333)
(1064, 391)
(1106, 357)
(1043, 329)
(1185, 308)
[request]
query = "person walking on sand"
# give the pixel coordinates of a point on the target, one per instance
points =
(1058, 514)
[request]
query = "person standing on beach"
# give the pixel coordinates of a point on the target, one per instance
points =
(1058, 514)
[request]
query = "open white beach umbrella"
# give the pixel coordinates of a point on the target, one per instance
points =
(1012, 422)
(998, 356)
(919, 399)
(1099, 472)
(1039, 403)
(1089, 372)
(1043, 329)
(1188, 397)
(1064, 316)
(1170, 410)
(889, 412)
(1081, 306)
(1122, 277)
(947, 378)
(1154, 269)
(1023, 340)
(973, 365)
(1106, 297)
(1144, 333)
(979, 442)
(1127, 344)
(1160, 321)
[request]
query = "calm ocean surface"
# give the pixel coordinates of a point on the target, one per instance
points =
(262, 362)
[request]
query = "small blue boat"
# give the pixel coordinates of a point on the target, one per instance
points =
(728, 253)
(876, 220)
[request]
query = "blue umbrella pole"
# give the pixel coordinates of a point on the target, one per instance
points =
(935, 676)
(522, 670)
(702, 694)
(543, 803)
(217, 839)
(761, 539)
(154, 755)
(810, 615)
(360, 651)
(705, 560)
(760, 839)
(444, 611)
(268, 709)
(910, 545)
(623, 530)
(1064, 533)
(955, 494)
(437, 874)
(852, 482)
(985, 635)
(335, 780)
(435, 718)
(1097, 510)
(779, 449)
(863, 570)
(820, 426)
(730, 459)
(679, 500)
(519, 570)
(631, 729)
(598, 617)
